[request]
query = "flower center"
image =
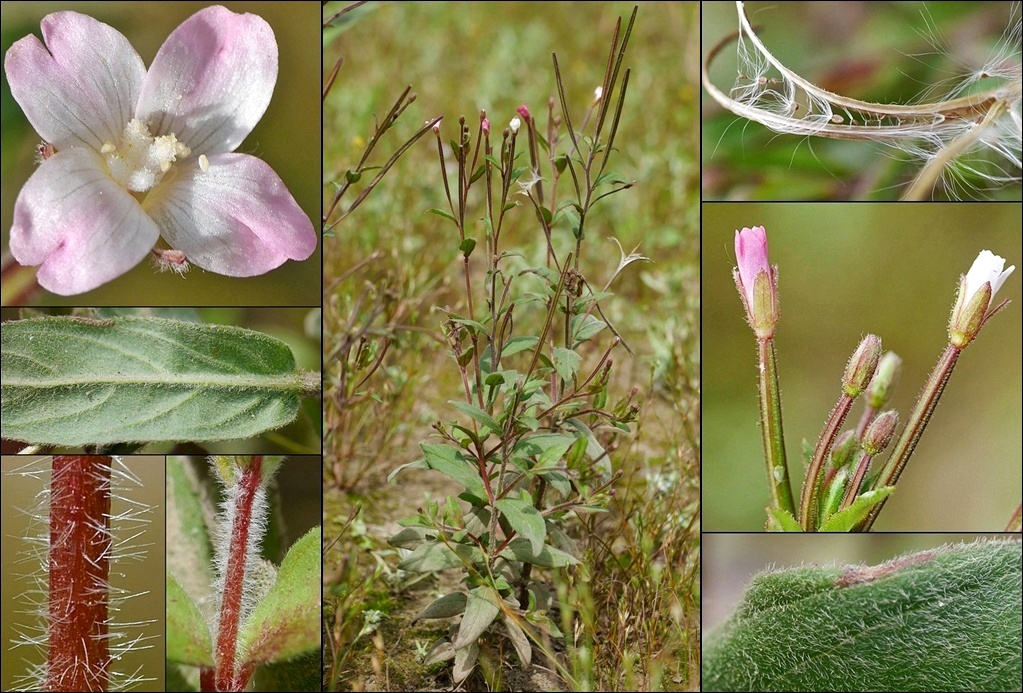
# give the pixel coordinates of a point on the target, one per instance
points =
(141, 160)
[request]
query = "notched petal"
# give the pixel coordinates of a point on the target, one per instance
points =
(80, 88)
(235, 218)
(76, 222)
(212, 80)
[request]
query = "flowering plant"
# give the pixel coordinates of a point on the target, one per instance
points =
(132, 155)
(842, 491)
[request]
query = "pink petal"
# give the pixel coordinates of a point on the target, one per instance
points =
(236, 218)
(211, 81)
(81, 226)
(81, 87)
(751, 256)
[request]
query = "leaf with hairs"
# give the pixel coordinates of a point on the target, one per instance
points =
(77, 381)
(947, 619)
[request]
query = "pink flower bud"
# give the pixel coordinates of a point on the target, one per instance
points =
(486, 126)
(862, 365)
(756, 280)
(523, 111)
(880, 432)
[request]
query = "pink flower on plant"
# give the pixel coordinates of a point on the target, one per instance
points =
(140, 154)
(523, 111)
(756, 280)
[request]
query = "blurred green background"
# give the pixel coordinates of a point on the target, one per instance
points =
(287, 138)
(730, 560)
(873, 51)
(144, 580)
(846, 270)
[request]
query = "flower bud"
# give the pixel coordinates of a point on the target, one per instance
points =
(879, 433)
(976, 291)
(843, 450)
(880, 389)
(514, 125)
(523, 111)
(756, 281)
(486, 127)
(862, 365)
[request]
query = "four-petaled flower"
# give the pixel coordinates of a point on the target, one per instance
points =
(135, 155)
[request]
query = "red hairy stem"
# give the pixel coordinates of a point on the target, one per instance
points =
(79, 569)
(227, 679)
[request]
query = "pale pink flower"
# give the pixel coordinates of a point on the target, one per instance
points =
(142, 154)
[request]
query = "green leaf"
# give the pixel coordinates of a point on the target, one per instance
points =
(352, 176)
(188, 637)
(441, 213)
(586, 327)
(454, 463)
(526, 520)
(520, 549)
(547, 448)
(519, 641)
(465, 660)
(781, 520)
(286, 622)
(437, 556)
(846, 520)
(413, 537)
(418, 464)
(304, 673)
(583, 303)
(566, 362)
(445, 607)
(594, 450)
(480, 611)
(478, 414)
(609, 177)
(517, 344)
(467, 246)
(72, 381)
(947, 619)
(192, 554)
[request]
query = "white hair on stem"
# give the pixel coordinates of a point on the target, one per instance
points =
(966, 132)
(128, 519)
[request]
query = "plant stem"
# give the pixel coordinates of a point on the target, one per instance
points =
(854, 485)
(1016, 521)
(811, 485)
(771, 425)
(79, 570)
(911, 434)
(227, 679)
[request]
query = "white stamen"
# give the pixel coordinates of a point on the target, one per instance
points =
(204, 163)
(141, 160)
